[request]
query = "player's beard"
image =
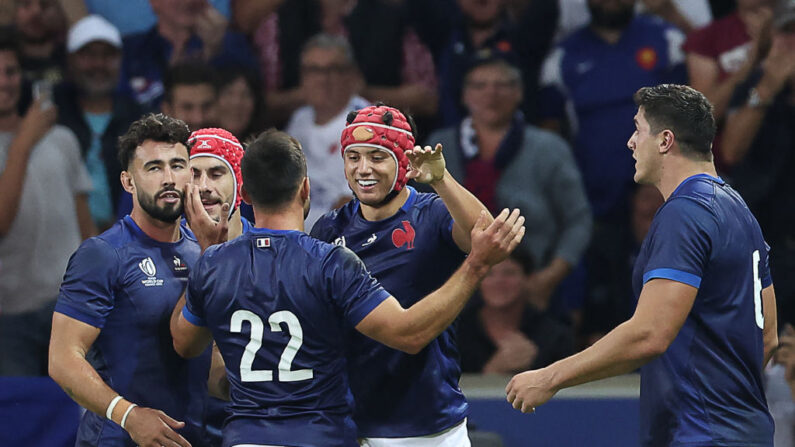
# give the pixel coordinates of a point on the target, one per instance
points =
(613, 20)
(168, 213)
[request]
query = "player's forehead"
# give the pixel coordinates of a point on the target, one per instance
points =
(365, 150)
(206, 163)
(151, 151)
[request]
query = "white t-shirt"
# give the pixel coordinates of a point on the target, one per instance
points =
(45, 232)
(322, 148)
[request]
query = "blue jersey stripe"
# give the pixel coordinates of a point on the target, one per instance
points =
(192, 319)
(71, 312)
(674, 275)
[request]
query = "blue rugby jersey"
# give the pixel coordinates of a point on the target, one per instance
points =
(411, 254)
(127, 284)
(706, 389)
(281, 330)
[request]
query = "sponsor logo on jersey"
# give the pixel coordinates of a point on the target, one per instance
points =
(179, 266)
(404, 236)
(370, 240)
(340, 241)
(148, 267)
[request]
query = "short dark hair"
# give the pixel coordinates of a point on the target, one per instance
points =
(188, 73)
(684, 111)
(273, 168)
(156, 127)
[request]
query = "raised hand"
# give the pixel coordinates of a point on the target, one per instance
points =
(426, 164)
(491, 244)
(153, 428)
(207, 231)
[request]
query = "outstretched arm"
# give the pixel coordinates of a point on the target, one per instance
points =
(428, 166)
(662, 309)
(412, 329)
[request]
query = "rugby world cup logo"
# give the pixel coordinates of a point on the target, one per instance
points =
(148, 267)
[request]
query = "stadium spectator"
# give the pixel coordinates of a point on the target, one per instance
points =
(504, 161)
(90, 106)
(456, 31)
(41, 28)
(501, 333)
(758, 142)
(129, 16)
(721, 55)
(398, 233)
(589, 81)
(186, 31)
(313, 292)
(43, 217)
(397, 68)
(328, 78)
(191, 95)
(110, 348)
(240, 106)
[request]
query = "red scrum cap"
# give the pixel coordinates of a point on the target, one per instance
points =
(220, 144)
(381, 127)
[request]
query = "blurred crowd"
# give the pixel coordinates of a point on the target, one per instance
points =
(531, 100)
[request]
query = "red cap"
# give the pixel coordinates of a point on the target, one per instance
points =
(220, 144)
(381, 127)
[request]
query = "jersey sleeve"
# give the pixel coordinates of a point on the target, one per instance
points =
(353, 289)
(767, 278)
(681, 242)
(88, 288)
(194, 310)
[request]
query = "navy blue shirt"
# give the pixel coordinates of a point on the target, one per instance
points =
(412, 254)
(280, 329)
(592, 81)
(706, 389)
(127, 284)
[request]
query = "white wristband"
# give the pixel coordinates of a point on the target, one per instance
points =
(127, 413)
(111, 406)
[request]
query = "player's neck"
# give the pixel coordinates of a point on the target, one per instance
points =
(375, 213)
(235, 225)
(155, 229)
(291, 218)
(680, 169)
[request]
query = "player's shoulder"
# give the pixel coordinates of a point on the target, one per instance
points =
(331, 224)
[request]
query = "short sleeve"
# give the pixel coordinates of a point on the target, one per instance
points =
(353, 289)
(767, 278)
(194, 310)
(88, 289)
(681, 242)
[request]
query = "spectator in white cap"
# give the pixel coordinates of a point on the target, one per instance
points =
(90, 106)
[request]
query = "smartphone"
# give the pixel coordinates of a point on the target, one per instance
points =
(43, 90)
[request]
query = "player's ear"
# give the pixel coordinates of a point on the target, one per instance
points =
(127, 182)
(244, 195)
(304, 190)
(666, 141)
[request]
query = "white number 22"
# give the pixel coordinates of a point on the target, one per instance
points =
(760, 318)
(286, 373)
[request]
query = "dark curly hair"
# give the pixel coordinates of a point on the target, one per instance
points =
(156, 127)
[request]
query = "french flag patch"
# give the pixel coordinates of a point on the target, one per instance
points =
(263, 242)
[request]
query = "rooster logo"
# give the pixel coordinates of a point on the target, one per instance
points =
(404, 236)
